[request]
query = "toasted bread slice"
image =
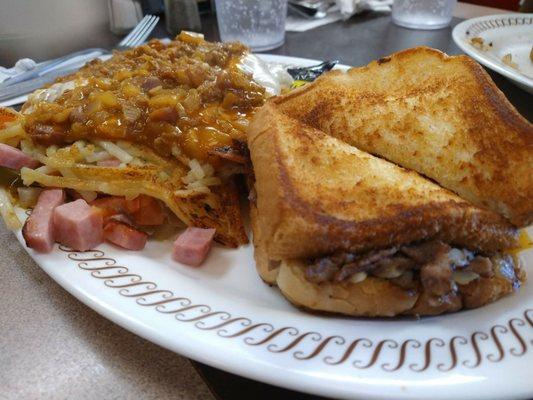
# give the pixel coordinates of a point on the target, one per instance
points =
(266, 268)
(441, 116)
(317, 195)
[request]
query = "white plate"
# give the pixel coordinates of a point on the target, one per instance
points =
(508, 34)
(223, 315)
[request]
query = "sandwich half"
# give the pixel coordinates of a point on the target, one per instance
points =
(340, 230)
(438, 115)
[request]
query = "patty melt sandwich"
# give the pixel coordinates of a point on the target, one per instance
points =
(341, 230)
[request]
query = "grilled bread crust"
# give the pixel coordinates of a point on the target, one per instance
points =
(438, 115)
(266, 268)
(376, 297)
(317, 195)
(373, 297)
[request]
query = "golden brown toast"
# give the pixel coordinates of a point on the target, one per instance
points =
(441, 116)
(317, 195)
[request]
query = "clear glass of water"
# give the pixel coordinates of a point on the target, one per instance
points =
(423, 14)
(259, 24)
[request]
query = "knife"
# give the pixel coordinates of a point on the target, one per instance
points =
(25, 87)
(45, 67)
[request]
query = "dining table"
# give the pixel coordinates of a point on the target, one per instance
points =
(54, 347)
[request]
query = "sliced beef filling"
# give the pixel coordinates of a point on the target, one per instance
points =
(435, 265)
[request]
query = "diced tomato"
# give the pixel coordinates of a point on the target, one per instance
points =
(6, 116)
(112, 202)
(106, 213)
(109, 206)
(124, 235)
(144, 210)
(132, 206)
(150, 212)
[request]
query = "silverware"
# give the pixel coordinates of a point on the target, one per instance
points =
(310, 9)
(28, 86)
(46, 67)
(42, 74)
(139, 34)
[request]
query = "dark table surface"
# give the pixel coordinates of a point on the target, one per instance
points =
(370, 36)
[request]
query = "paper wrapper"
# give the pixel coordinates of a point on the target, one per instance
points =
(349, 8)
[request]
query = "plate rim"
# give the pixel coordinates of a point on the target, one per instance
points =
(272, 377)
(459, 31)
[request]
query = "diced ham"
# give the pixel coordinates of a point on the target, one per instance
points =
(47, 135)
(124, 235)
(165, 114)
(151, 82)
(191, 247)
(38, 231)
(77, 115)
(149, 212)
(111, 162)
(13, 158)
(78, 225)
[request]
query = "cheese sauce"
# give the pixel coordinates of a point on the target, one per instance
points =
(186, 98)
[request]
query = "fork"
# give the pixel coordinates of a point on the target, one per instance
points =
(137, 36)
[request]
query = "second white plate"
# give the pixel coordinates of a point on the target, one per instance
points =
(501, 35)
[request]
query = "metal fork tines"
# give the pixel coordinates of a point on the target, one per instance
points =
(139, 34)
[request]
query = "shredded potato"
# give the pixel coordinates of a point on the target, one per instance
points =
(116, 151)
(116, 186)
(141, 171)
(98, 156)
(143, 153)
(45, 170)
(88, 195)
(28, 196)
(7, 211)
(11, 132)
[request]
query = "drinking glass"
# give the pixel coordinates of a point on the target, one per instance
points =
(259, 24)
(423, 14)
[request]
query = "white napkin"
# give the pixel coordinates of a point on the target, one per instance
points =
(352, 7)
(22, 65)
(299, 24)
(343, 9)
